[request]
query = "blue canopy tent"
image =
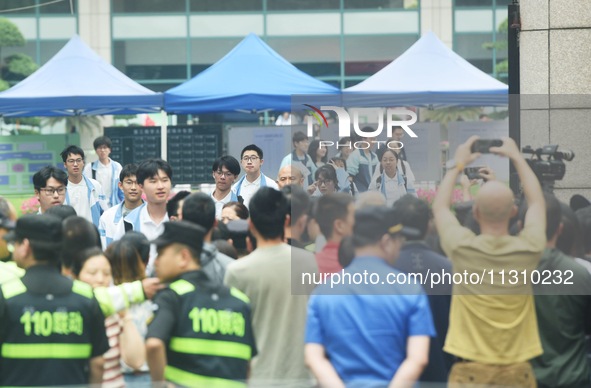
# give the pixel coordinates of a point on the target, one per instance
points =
(428, 73)
(251, 77)
(76, 81)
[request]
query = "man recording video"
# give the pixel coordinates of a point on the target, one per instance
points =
(493, 334)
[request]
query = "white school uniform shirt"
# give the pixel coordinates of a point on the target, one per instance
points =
(247, 189)
(231, 196)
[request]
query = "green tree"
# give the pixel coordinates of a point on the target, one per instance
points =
(502, 67)
(453, 113)
(14, 67)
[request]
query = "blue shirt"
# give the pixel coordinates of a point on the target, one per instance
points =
(364, 328)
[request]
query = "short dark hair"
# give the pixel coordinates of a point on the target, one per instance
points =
(298, 201)
(227, 161)
(61, 211)
(150, 167)
(252, 147)
(331, 207)
(298, 137)
(240, 209)
(78, 234)
(199, 209)
(415, 213)
(127, 171)
(553, 214)
(72, 150)
(172, 206)
(268, 210)
(82, 257)
(102, 141)
(42, 176)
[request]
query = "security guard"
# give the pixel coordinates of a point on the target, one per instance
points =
(51, 328)
(201, 334)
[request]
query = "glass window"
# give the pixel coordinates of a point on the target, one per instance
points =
(301, 5)
(48, 48)
(148, 6)
(151, 58)
(205, 52)
(378, 4)
(10, 6)
(61, 7)
(481, 3)
(470, 47)
(307, 49)
(365, 55)
(226, 5)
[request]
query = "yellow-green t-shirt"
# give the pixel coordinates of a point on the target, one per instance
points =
(493, 321)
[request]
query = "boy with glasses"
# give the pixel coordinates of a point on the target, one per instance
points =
(253, 179)
(50, 187)
(85, 195)
(110, 220)
(224, 170)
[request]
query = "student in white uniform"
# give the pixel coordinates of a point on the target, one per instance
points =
(253, 179)
(224, 170)
(84, 194)
(110, 221)
(154, 177)
(106, 171)
(390, 179)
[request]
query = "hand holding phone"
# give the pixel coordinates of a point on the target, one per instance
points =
(483, 145)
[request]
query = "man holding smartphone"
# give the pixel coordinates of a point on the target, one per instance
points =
(493, 331)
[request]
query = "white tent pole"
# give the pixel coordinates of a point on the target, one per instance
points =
(163, 135)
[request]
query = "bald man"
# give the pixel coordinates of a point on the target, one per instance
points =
(289, 175)
(493, 330)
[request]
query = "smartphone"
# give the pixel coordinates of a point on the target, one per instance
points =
(483, 145)
(473, 172)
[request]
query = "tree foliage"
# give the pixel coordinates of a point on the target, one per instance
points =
(17, 66)
(10, 35)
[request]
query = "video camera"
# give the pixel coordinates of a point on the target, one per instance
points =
(550, 169)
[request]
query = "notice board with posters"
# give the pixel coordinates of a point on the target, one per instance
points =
(23, 155)
(191, 149)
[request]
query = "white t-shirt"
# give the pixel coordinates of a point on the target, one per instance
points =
(103, 176)
(78, 194)
(220, 204)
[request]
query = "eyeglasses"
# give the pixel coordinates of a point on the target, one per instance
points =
(227, 174)
(250, 158)
(50, 191)
(324, 182)
(74, 161)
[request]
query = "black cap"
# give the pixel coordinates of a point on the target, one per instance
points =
(44, 230)
(372, 222)
(181, 232)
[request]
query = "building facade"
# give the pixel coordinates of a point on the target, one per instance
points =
(162, 43)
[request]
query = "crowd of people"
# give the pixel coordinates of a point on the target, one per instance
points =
(303, 279)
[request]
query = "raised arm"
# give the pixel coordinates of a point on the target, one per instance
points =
(442, 202)
(536, 209)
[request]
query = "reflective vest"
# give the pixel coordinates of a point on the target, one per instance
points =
(45, 339)
(212, 343)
